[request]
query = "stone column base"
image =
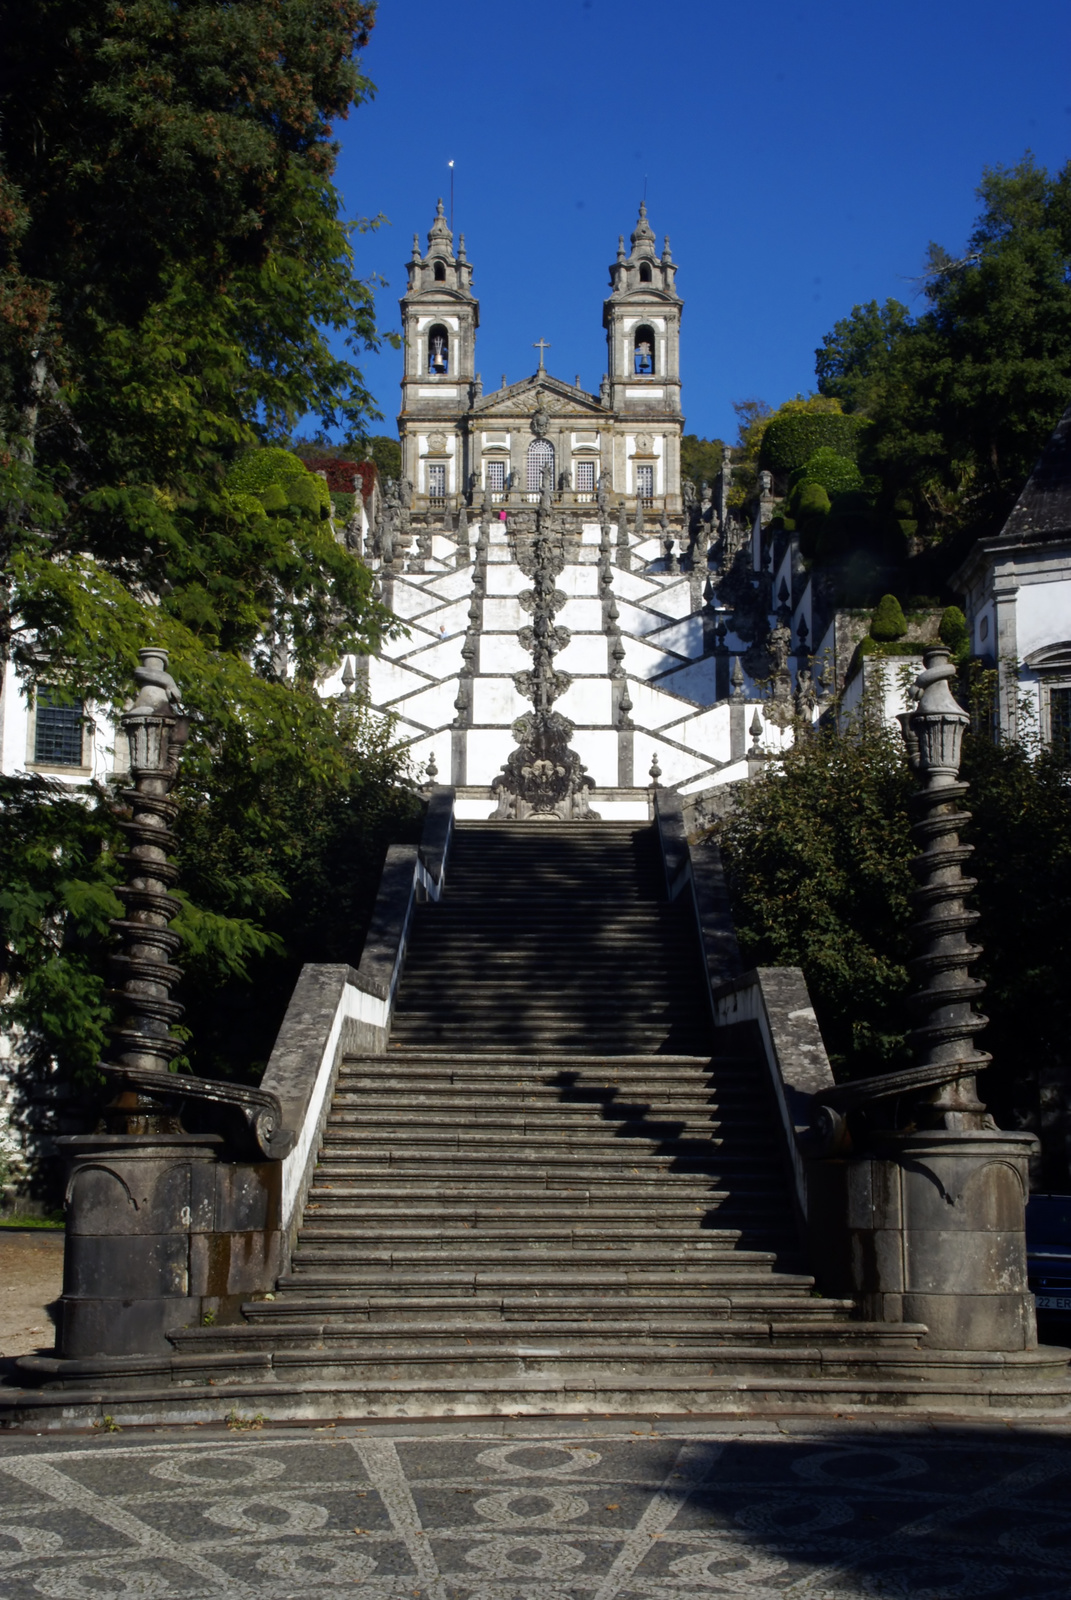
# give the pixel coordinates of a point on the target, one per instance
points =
(937, 1231)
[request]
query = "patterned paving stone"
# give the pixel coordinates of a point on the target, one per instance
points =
(543, 1512)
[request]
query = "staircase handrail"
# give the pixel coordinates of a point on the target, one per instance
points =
(262, 1110)
(337, 1009)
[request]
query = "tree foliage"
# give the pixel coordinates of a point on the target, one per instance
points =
(174, 263)
(817, 856)
(176, 291)
(700, 459)
(962, 397)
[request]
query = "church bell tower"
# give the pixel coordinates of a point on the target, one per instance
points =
(440, 315)
(642, 319)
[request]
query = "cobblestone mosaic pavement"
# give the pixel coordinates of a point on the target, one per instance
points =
(540, 1512)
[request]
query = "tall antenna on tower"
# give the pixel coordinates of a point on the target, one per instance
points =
(450, 164)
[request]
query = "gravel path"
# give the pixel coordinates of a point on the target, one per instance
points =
(31, 1276)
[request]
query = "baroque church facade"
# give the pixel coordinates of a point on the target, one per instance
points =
(568, 646)
(460, 443)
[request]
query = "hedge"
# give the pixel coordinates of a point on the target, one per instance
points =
(789, 441)
(280, 481)
(837, 474)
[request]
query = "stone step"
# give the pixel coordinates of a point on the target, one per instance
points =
(514, 1160)
(161, 1390)
(483, 1306)
(687, 1275)
(665, 1331)
(550, 1218)
(344, 1182)
(433, 1232)
(628, 1142)
(490, 1255)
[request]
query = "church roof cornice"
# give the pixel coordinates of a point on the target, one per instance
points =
(508, 399)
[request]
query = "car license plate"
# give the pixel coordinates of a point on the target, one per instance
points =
(1053, 1302)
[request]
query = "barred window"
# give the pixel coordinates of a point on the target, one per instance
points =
(585, 477)
(495, 476)
(58, 734)
(540, 456)
(645, 482)
(437, 481)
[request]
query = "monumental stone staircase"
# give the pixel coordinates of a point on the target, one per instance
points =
(552, 1193)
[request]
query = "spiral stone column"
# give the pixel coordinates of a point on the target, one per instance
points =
(156, 728)
(937, 1205)
(943, 1003)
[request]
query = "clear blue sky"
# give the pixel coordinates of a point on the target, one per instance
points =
(799, 157)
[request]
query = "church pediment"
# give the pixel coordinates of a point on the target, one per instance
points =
(540, 392)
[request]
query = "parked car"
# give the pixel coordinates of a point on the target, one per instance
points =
(1048, 1261)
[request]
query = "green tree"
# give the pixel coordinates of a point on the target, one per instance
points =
(174, 271)
(853, 363)
(387, 455)
(963, 397)
(174, 265)
(700, 459)
(1021, 832)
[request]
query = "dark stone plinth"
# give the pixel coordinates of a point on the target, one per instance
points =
(936, 1230)
(160, 1233)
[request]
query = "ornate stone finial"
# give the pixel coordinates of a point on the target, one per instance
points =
(736, 678)
(655, 771)
(349, 678)
(618, 652)
(416, 247)
(621, 247)
(944, 1001)
(156, 728)
(667, 254)
(643, 233)
(439, 212)
(461, 248)
(755, 730)
(432, 769)
(803, 633)
(624, 707)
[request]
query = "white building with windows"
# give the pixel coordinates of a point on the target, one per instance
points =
(55, 737)
(1017, 600)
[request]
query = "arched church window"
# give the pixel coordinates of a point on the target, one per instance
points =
(645, 272)
(440, 272)
(643, 351)
(540, 457)
(438, 350)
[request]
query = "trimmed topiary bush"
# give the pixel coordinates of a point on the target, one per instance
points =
(279, 479)
(888, 621)
(836, 473)
(790, 441)
(953, 632)
(808, 500)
